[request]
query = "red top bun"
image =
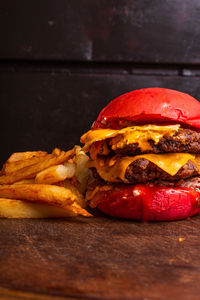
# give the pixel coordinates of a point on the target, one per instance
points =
(151, 105)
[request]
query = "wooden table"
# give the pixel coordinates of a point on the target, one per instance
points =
(99, 258)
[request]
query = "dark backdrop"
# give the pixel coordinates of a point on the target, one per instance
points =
(62, 61)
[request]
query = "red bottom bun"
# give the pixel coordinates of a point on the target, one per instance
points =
(149, 203)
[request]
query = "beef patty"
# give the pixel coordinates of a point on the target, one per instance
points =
(183, 141)
(142, 170)
(192, 183)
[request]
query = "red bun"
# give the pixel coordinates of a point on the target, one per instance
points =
(149, 203)
(151, 105)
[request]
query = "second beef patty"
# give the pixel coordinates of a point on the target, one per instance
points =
(142, 170)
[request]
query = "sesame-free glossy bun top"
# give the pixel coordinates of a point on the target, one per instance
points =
(151, 105)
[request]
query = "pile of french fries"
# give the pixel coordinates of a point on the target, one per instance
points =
(41, 185)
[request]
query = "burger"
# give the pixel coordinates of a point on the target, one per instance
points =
(145, 156)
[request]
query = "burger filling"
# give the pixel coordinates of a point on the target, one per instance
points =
(120, 138)
(146, 167)
(143, 170)
(165, 155)
(182, 141)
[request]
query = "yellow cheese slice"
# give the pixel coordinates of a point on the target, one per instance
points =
(114, 169)
(129, 135)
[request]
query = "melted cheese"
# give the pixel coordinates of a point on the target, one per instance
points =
(114, 169)
(129, 135)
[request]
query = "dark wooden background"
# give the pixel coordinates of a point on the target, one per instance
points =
(62, 61)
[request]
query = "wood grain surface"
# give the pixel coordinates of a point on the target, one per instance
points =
(99, 258)
(155, 31)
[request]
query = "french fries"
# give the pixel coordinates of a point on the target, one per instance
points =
(71, 169)
(49, 194)
(25, 155)
(32, 170)
(81, 173)
(25, 181)
(10, 167)
(56, 151)
(55, 174)
(41, 185)
(79, 210)
(12, 208)
(68, 185)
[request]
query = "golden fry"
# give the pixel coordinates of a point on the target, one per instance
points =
(82, 173)
(25, 181)
(56, 152)
(71, 168)
(11, 167)
(31, 171)
(67, 184)
(25, 155)
(55, 174)
(50, 194)
(12, 208)
(79, 210)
